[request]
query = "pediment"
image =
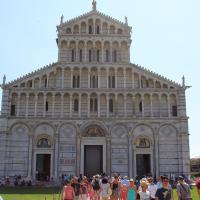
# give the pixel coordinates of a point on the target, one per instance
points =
(95, 16)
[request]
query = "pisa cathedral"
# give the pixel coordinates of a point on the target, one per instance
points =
(93, 111)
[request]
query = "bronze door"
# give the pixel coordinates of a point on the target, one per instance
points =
(143, 164)
(93, 160)
(43, 167)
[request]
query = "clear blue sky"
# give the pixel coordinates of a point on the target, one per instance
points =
(165, 39)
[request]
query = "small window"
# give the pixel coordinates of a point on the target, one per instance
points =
(113, 81)
(140, 106)
(115, 56)
(174, 111)
(76, 105)
(73, 55)
(45, 82)
(111, 106)
(12, 111)
(80, 55)
(90, 29)
(47, 106)
(98, 30)
(107, 55)
(93, 105)
(97, 55)
(90, 55)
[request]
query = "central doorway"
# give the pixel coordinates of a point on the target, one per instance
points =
(143, 164)
(93, 160)
(43, 167)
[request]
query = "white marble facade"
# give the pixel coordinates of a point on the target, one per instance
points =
(93, 95)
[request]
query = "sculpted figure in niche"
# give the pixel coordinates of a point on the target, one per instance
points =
(43, 143)
(93, 132)
(142, 143)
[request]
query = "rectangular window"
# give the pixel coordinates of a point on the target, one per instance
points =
(73, 55)
(80, 55)
(47, 106)
(174, 111)
(90, 55)
(97, 55)
(12, 112)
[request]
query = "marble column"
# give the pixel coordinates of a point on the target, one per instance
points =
(18, 103)
(89, 78)
(79, 106)
(62, 105)
(36, 103)
(130, 157)
(98, 107)
(133, 85)
(108, 159)
(70, 105)
(53, 105)
(44, 105)
(151, 105)
(169, 108)
(99, 78)
(142, 96)
(156, 141)
(30, 150)
(56, 157)
(116, 78)
(107, 106)
(78, 153)
(125, 102)
(124, 72)
(88, 114)
(63, 76)
(27, 100)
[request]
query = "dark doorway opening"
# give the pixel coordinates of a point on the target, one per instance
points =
(93, 160)
(143, 164)
(43, 167)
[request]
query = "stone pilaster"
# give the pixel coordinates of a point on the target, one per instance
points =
(181, 103)
(5, 109)
(30, 156)
(108, 157)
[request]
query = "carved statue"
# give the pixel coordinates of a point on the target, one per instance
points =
(94, 5)
(126, 20)
(183, 81)
(61, 19)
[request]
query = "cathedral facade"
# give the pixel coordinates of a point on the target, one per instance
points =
(93, 111)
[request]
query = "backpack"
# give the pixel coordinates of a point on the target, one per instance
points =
(96, 185)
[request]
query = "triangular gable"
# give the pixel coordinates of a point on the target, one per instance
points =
(92, 13)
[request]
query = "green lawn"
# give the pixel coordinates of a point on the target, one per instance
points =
(30, 193)
(47, 193)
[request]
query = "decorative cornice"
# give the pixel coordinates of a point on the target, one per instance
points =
(90, 13)
(160, 77)
(35, 72)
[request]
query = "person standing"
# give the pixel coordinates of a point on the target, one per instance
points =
(152, 188)
(144, 193)
(198, 186)
(183, 189)
(115, 186)
(105, 189)
(165, 192)
(132, 190)
(68, 191)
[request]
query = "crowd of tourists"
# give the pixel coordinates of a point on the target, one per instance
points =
(118, 188)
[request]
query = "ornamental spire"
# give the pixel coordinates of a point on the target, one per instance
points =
(4, 79)
(94, 5)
